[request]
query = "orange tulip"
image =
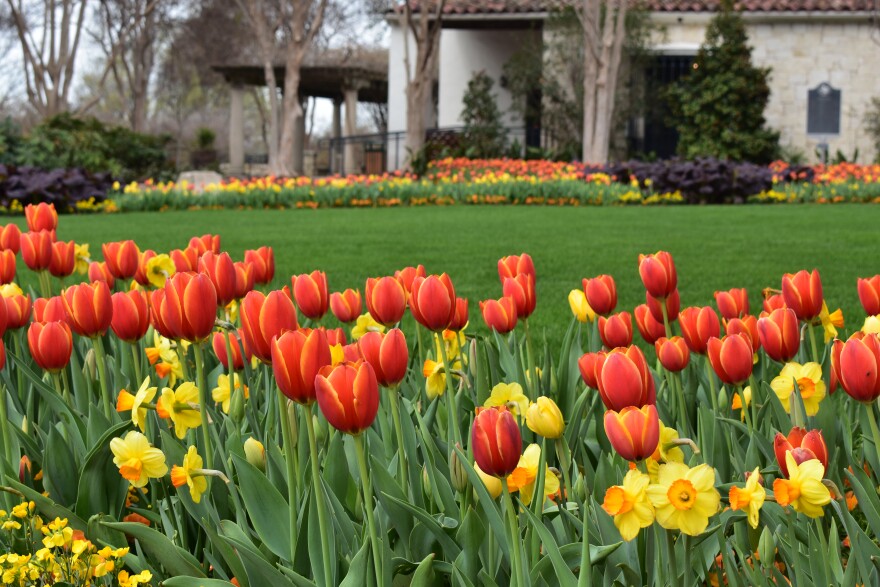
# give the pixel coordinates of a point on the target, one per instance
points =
(779, 333)
(41, 216)
(98, 272)
(36, 249)
(747, 325)
(131, 315)
(18, 311)
(206, 242)
(433, 301)
(387, 354)
(773, 302)
(7, 266)
(673, 353)
(263, 260)
(522, 289)
(733, 303)
(244, 278)
(648, 326)
(187, 306)
(633, 432)
(589, 365)
(218, 343)
(185, 260)
(50, 309)
(297, 358)
(140, 275)
(499, 315)
(698, 325)
(460, 318)
(122, 258)
(10, 238)
(601, 293)
(731, 357)
(802, 293)
(855, 363)
(803, 446)
(51, 345)
(89, 308)
(336, 336)
(310, 293)
(63, 258)
(624, 379)
(658, 274)
(869, 294)
(616, 330)
(407, 275)
(513, 265)
(263, 317)
(655, 306)
(221, 271)
(386, 299)
(348, 395)
(496, 441)
(346, 305)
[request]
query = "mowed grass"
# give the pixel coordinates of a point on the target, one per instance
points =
(714, 247)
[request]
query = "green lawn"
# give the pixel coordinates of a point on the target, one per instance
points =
(714, 247)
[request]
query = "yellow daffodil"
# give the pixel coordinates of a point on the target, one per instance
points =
(749, 498)
(737, 402)
(137, 459)
(182, 406)
(435, 378)
(337, 354)
(222, 394)
(872, 325)
(545, 419)
(493, 484)
(81, 254)
(525, 476)
(830, 321)
(809, 381)
(454, 342)
(628, 504)
(231, 310)
(159, 269)
(365, 324)
(126, 580)
(10, 290)
(510, 395)
(163, 356)
(667, 449)
(190, 474)
(135, 403)
(684, 498)
(579, 306)
(803, 490)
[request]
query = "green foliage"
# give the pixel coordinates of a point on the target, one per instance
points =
(872, 126)
(483, 132)
(718, 108)
(10, 142)
(205, 138)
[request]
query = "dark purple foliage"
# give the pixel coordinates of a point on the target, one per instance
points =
(62, 187)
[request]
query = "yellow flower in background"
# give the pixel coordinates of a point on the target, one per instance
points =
(579, 306)
(126, 580)
(454, 342)
(749, 498)
(145, 394)
(525, 476)
(159, 269)
(222, 394)
(628, 504)
(667, 451)
(231, 310)
(545, 419)
(737, 402)
(190, 474)
(337, 354)
(81, 254)
(830, 321)
(684, 498)
(57, 534)
(872, 325)
(10, 290)
(493, 484)
(809, 381)
(803, 490)
(365, 324)
(182, 407)
(163, 356)
(510, 395)
(435, 378)
(137, 459)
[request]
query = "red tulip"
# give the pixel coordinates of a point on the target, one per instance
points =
(522, 289)
(348, 396)
(10, 238)
(747, 325)
(698, 325)
(460, 318)
(187, 307)
(206, 242)
(244, 278)
(18, 311)
(263, 260)
(49, 309)
(221, 271)
(673, 353)
(51, 345)
(263, 317)
(122, 258)
(624, 379)
(496, 441)
(36, 249)
(672, 303)
(803, 445)
(63, 258)
(589, 365)
(802, 293)
(633, 432)
(7, 266)
(407, 275)
(297, 358)
(658, 274)
(780, 334)
(218, 343)
(499, 315)
(616, 330)
(773, 302)
(41, 216)
(89, 308)
(649, 328)
(336, 336)
(98, 272)
(310, 293)
(131, 315)
(855, 363)
(731, 357)
(185, 260)
(869, 294)
(346, 305)
(733, 303)
(386, 299)
(513, 265)
(601, 294)
(387, 354)
(140, 275)
(433, 301)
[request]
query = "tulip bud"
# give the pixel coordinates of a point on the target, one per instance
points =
(386, 300)
(513, 265)
(779, 334)
(348, 396)
(296, 360)
(221, 271)
(766, 548)
(802, 293)
(263, 262)
(255, 453)
(856, 363)
(186, 307)
(10, 238)
(346, 305)
(457, 475)
(773, 302)
(322, 430)
(545, 419)
(633, 432)
(601, 294)
(658, 274)
(206, 242)
(698, 325)
(731, 358)
(433, 301)
(672, 303)
(90, 369)
(7, 266)
(63, 259)
(648, 326)
(616, 330)
(624, 379)
(50, 344)
(496, 441)
(748, 326)
(122, 258)
(41, 216)
(522, 289)
(293, 422)
(803, 446)
(580, 487)
(236, 406)
(499, 315)
(36, 249)
(264, 317)
(580, 308)
(387, 354)
(673, 353)
(310, 293)
(588, 365)
(426, 484)
(460, 317)
(407, 275)
(869, 294)
(733, 303)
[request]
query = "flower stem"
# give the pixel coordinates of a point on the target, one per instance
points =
(666, 327)
(673, 565)
(713, 395)
(101, 360)
(202, 384)
(319, 495)
(136, 365)
(515, 552)
(875, 432)
(682, 407)
(586, 573)
(687, 560)
(398, 429)
(4, 429)
(813, 343)
(531, 376)
(291, 473)
(451, 407)
(538, 501)
(368, 506)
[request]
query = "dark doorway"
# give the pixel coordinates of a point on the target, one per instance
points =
(659, 140)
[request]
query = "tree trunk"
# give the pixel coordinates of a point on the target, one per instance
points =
(272, 143)
(292, 111)
(415, 117)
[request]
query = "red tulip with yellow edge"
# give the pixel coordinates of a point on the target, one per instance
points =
(36, 249)
(122, 258)
(869, 294)
(188, 306)
(658, 274)
(263, 261)
(499, 315)
(616, 330)
(18, 310)
(10, 238)
(297, 358)
(49, 309)
(433, 301)
(335, 336)
(244, 278)
(802, 293)
(206, 242)
(407, 275)
(522, 289)
(348, 396)
(98, 272)
(601, 293)
(7, 266)
(131, 315)
(310, 294)
(496, 441)
(733, 303)
(673, 353)
(63, 260)
(780, 335)
(460, 318)
(731, 357)
(748, 326)
(387, 354)
(648, 326)
(221, 271)
(89, 308)
(386, 299)
(624, 379)
(633, 432)
(773, 302)
(346, 305)
(140, 276)
(698, 325)
(185, 260)
(589, 365)
(263, 317)
(41, 216)
(50, 344)
(513, 265)
(803, 446)
(856, 363)
(672, 303)
(218, 343)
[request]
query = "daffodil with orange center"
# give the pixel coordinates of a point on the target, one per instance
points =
(137, 459)
(809, 381)
(831, 321)
(190, 474)
(684, 498)
(182, 407)
(629, 504)
(737, 402)
(749, 498)
(510, 395)
(525, 476)
(126, 401)
(222, 394)
(803, 490)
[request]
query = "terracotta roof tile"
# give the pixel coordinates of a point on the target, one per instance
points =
(489, 7)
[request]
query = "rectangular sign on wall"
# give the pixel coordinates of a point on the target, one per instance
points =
(823, 111)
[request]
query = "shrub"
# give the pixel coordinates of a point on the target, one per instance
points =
(68, 189)
(483, 132)
(872, 125)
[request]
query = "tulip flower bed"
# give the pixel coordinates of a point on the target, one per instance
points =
(173, 420)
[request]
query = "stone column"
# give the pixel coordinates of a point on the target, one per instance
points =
(236, 128)
(336, 151)
(351, 100)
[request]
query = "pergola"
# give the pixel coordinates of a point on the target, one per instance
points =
(347, 83)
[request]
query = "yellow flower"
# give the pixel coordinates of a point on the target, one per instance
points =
(872, 325)
(737, 403)
(809, 381)
(182, 406)
(159, 269)
(137, 459)
(803, 490)
(165, 358)
(144, 395)
(222, 394)
(493, 484)
(255, 453)
(454, 341)
(190, 473)
(683, 498)
(579, 306)
(126, 580)
(81, 254)
(667, 450)
(544, 418)
(435, 378)
(750, 498)
(10, 290)
(525, 476)
(364, 324)
(510, 395)
(337, 354)
(829, 321)
(629, 505)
